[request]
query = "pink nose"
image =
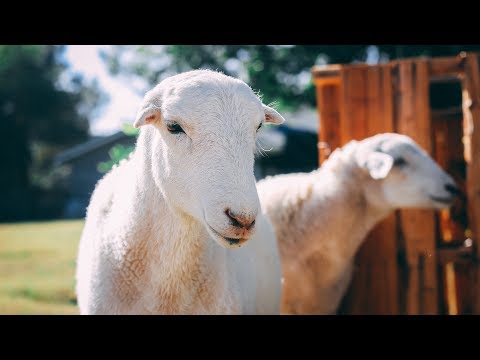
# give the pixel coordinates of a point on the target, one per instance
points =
(245, 221)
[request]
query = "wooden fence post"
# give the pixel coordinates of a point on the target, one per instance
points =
(366, 110)
(418, 226)
(471, 141)
(327, 87)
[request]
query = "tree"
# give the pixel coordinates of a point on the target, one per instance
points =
(281, 73)
(36, 113)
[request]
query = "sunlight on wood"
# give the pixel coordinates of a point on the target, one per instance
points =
(451, 289)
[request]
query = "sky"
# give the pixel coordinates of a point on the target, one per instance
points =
(122, 105)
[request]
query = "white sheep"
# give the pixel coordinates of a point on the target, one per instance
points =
(321, 218)
(160, 227)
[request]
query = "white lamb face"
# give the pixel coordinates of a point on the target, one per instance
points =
(206, 125)
(408, 176)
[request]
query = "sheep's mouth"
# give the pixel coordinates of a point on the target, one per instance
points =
(443, 200)
(232, 242)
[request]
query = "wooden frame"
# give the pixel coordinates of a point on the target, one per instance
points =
(407, 264)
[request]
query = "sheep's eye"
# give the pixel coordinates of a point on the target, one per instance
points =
(259, 126)
(400, 161)
(174, 128)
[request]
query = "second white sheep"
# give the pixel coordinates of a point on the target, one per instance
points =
(321, 218)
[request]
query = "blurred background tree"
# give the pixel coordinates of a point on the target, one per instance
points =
(41, 112)
(281, 72)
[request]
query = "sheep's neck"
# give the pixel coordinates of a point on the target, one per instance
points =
(347, 217)
(176, 247)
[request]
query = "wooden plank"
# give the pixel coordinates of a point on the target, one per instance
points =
(386, 83)
(440, 139)
(455, 254)
(352, 102)
(471, 141)
(451, 289)
(353, 125)
(326, 75)
(448, 133)
(413, 119)
(448, 296)
(430, 278)
(446, 113)
(386, 230)
(379, 250)
(456, 148)
(445, 79)
(465, 278)
(368, 101)
(358, 103)
(327, 81)
(413, 287)
(329, 117)
(325, 71)
(366, 109)
(347, 115)
(446, 66)
(419, 227)
(421, 95)
(440, 68)
(374, 101)
(458, 216)
(442, 288)
(403, 115)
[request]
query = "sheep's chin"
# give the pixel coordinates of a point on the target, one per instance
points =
(226, 242)
(442, 202)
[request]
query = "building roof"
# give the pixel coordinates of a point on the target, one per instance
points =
(274, 139)
(87, 147)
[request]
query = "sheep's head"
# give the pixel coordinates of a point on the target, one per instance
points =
(403, 175)
(204, 126)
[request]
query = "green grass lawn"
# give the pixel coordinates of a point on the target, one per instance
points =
(37, 267)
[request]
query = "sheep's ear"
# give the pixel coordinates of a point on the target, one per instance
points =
(272, 116)
(147, 115)
(378, 164)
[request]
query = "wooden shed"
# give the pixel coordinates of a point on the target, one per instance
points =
(416, 261)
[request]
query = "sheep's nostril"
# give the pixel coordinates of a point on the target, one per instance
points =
(452, 189)
(240, 220)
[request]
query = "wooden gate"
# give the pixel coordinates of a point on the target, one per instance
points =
(416, 261)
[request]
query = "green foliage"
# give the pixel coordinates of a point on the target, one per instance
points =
(38, 117)
(128, 129)
(117, 154)
(282, 73)
(119, 151)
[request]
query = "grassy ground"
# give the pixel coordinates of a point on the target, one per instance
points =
(37, 266)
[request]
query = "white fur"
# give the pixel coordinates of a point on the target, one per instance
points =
(147, 246)
(321, 218)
